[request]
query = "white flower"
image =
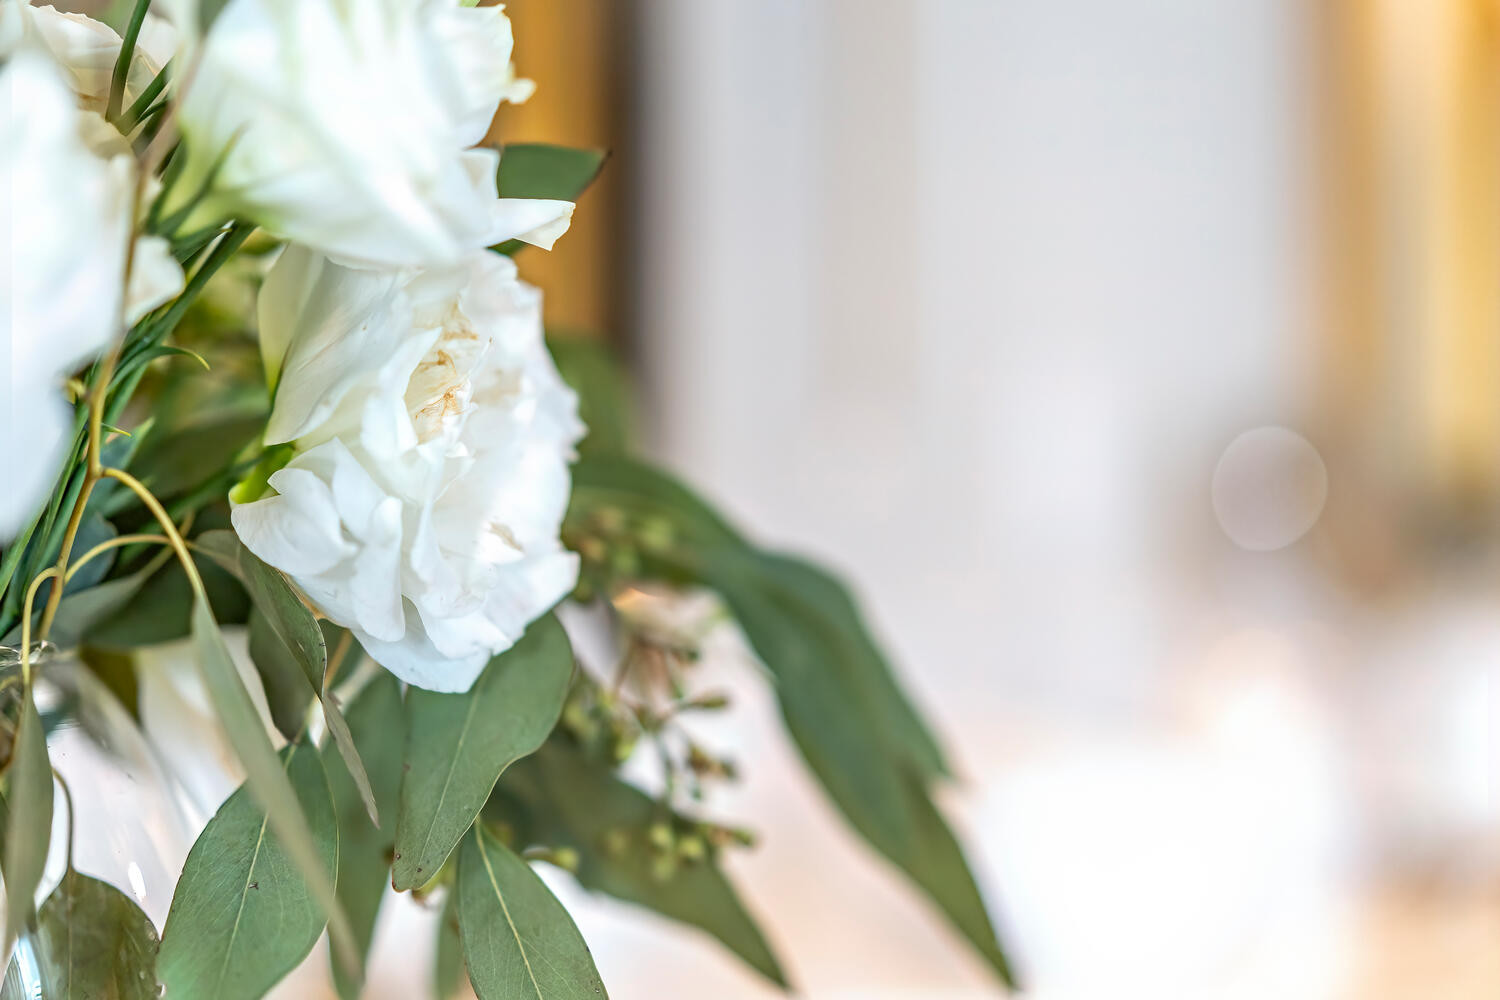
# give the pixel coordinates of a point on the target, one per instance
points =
(433, 435)
(67, 185)
(87, 49)
(348, 127)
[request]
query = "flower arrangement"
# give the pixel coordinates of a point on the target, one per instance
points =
(274, 369)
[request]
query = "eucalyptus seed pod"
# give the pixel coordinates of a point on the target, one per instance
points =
(654, 535)
(609, 521)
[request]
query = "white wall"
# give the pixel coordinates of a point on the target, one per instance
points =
(966, 297)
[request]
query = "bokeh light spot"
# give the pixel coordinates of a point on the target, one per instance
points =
(1269, 488)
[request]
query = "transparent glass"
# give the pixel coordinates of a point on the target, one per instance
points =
(130, 826)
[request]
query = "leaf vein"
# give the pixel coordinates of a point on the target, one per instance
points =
(463, 736)
(500, 897)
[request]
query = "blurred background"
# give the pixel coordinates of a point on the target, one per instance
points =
(1140, 362)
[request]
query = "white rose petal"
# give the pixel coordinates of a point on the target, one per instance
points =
(531, 220)
(65, 209)
(347, 127)
(316, 350)
(155, 277)
(433, 434)
(87, 49)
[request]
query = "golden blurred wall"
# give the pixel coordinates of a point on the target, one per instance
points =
(1410, 231)
(573, 49)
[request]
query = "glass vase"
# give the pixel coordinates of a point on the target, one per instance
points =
(129, 825)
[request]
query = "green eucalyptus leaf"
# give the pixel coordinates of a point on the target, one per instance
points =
(457, 745)
(376, 725)
(604, 400)
(78, 613)
(110, 496)
(296, 634)
(343, 739)
(28, 829)
(117, 674)
(518, 941)
(269, 591)
(92, 530)
(858, 734)
(561, 797)
(160, 608)
(603, 481)
(538, 170)
(93, 941)
(826, 643)
(814, 640)
(173, 462)
(843, 706)
(288, 693)
(541, 170)
(266, 778)
(243, 915)
(448, 963)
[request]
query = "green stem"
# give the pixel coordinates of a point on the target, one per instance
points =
(12, 559)
(137, 111)
(155, 331)
(75, 520)
(168, 527)
(127, 376)
(66, 493)
(127, 56)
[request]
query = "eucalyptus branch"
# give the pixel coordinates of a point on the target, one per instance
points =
(54, 597)
(151, 333)
(46, 574)
(184, 525)
(113, 543)
(103, 374)
(173, 536)
(93, 469)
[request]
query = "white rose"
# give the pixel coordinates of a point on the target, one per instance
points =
(348, 127)
(87, 49)
(67, 186)
(433, 435)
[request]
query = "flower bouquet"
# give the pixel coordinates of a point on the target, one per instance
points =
(273, 374)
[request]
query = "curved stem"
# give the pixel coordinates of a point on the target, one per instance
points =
(46, 574)
(113, 543)
(55, 597)
(174, 537)
(74, 521)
